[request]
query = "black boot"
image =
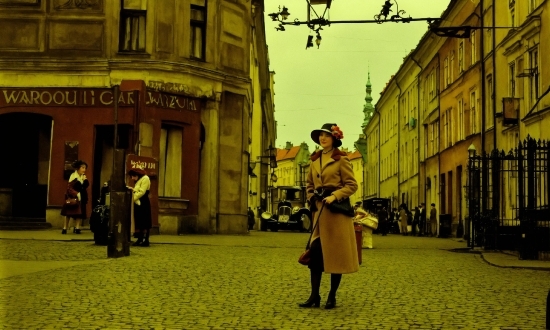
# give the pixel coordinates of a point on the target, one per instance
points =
(146, 241)
(314, 298)
(140, 239)
(334, 284)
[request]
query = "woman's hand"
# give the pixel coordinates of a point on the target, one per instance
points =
(329, 199)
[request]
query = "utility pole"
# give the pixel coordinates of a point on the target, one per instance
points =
(120, 196)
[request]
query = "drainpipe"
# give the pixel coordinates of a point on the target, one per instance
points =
(483, 103)
(398, 140)
(417, 125)
(379, 129)
(494, 80)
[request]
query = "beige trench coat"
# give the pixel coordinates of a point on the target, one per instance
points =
(335, 230)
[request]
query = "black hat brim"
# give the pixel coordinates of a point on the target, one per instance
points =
(315, 137)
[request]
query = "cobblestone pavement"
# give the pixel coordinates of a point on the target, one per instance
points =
(254, 282)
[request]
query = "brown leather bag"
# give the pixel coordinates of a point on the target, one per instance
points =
(71, 202)
(305, 257)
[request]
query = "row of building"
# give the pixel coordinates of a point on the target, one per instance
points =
(483, 85)
(477, 85)
(195, 96)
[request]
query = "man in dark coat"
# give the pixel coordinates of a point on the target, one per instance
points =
(422, 219)
(383, 221)
(251, 219)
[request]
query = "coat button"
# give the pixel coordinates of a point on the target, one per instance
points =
(317, 175)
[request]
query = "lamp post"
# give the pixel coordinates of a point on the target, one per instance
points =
(472, 189)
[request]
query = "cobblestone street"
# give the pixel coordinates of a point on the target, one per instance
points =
(255, 282)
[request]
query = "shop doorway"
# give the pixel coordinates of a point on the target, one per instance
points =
(103, 154)
(25, 142)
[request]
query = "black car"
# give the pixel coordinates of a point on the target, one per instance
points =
(291, 212)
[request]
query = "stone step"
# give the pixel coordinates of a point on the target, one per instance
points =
(24, 225)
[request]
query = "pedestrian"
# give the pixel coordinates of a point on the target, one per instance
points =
(366, 226)
(333, 247)
(403, 218)
(142, 206)
(416, 221)
(433, 221)
(383, 221)
(422, 229)
(395, 222)
(76, 188)
(251, 219)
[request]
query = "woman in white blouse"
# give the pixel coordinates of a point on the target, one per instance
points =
(142, 205)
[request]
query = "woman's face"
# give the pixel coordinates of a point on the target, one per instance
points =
(325, 140)
(81, 170)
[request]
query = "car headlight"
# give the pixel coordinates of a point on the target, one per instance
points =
(295, 209)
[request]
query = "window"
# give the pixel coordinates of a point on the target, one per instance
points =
(473, 112)
(133, 14)
(512, 79)
(198, 29)
(461, 56)
(446, 71)
(431, 80)
(473, 46)
(445, 129)
(534, 77)
(170, 160)
(452, 65)
(489, 109)
(452, 129)
(460, 120)
(532, 5)
(512, 16)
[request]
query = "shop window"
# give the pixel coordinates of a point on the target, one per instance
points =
(198, 29)
(170, 161)
(133, 14)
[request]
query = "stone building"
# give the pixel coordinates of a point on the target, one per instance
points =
(194, 83)
(486, 90)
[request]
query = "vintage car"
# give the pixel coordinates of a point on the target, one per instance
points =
(290, 212)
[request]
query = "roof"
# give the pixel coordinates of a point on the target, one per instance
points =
(354, 155)
(283, 154)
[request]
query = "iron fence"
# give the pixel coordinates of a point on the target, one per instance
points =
(508, 195)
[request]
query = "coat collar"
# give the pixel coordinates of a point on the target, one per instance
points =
(336, 154)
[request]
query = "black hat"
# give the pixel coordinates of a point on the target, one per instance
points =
(332, 129)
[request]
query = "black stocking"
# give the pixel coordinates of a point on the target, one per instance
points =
(315, 282)
(334, 283)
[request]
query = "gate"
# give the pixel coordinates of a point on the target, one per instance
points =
(508, 197)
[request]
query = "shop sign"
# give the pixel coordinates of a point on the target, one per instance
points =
(77, 97)
(148, 164)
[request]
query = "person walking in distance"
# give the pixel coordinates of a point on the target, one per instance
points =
(422, 224)
(142, 206)
(433, 221)
(333, 247)
(403, 218)
(383, 221)
(76, 188)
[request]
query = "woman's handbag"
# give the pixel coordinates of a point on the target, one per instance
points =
(71, 202)
(343, 207)
(305, 258)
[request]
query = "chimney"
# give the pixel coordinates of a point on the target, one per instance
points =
(288, 145)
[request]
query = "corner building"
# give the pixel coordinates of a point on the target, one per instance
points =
(186, 99)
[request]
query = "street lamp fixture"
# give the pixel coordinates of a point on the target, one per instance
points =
(315, 22)
(472, 151)
(318, 40)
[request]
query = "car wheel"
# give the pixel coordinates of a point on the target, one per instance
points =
(275, 228)
(305, 222)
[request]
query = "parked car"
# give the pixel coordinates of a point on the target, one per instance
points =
(290, 211)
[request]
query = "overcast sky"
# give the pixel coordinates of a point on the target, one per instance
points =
(317, 86)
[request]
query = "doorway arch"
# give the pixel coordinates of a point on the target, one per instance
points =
(25, 144)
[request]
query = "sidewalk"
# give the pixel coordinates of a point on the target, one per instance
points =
(255, 238)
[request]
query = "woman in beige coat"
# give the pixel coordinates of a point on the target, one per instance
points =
(333, 247)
